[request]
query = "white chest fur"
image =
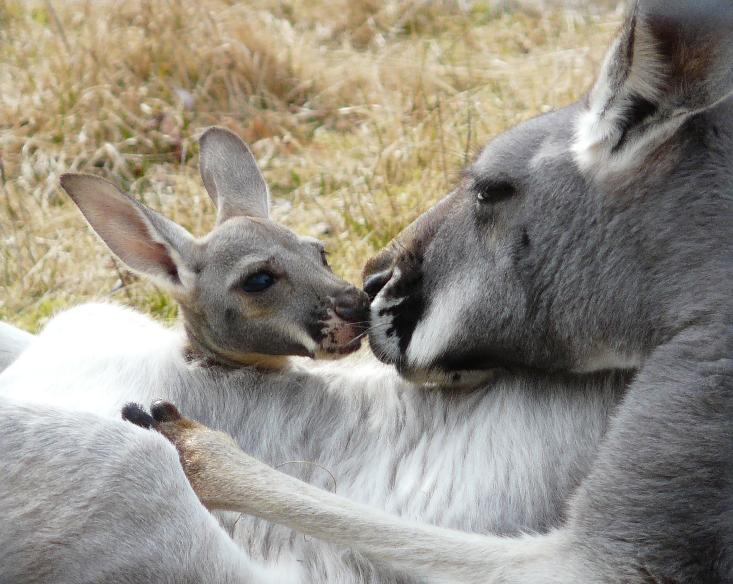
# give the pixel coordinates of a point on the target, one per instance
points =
(499, 459)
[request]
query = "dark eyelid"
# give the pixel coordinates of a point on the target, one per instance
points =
(257, 289)
(259, 266)
(492, 190)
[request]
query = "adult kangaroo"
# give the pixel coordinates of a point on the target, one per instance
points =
(596, 237)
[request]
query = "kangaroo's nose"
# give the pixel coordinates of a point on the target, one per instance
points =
(352, 305)
(374, 283)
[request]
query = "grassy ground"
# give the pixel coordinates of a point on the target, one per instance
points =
(361, 113)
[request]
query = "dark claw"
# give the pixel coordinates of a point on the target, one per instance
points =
(135, 413)
(164, 411)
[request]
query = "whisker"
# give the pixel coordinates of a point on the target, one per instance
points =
(379, 325)
(372, 329)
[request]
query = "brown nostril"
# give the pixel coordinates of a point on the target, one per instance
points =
(352, 306)
(374, 283)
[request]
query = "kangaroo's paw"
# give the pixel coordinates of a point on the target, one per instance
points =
(203, 452)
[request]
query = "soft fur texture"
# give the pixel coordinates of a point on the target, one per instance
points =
(70, 513)
(620, 258)
(500, 459)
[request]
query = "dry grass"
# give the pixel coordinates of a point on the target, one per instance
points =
(361, 113)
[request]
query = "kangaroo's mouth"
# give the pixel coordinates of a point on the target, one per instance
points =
(338, 337)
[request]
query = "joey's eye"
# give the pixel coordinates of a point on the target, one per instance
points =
(489, 191)
(257, 282)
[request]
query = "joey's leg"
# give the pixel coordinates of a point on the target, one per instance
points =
(86, 499)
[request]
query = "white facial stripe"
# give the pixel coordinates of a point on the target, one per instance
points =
(299, 336)
(441, 323)
(381, 323)
(381, 304)
(608, 359)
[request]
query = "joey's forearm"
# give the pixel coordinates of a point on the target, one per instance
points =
(437, 554)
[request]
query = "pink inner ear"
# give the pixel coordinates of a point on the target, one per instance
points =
(129, 236)
(158, 257)
(169, 266)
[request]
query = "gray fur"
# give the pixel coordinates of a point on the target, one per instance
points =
(484, 461)
(227, 176)
(62, 516)
(13, 342)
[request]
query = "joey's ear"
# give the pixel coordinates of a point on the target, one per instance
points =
(143, 239)
(231, 176)
(672, 59)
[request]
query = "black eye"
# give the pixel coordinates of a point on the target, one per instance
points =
(491, 191)
(257, 282)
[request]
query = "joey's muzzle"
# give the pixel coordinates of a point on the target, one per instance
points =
(347, 320)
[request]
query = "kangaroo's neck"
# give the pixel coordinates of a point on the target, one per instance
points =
(197, 351)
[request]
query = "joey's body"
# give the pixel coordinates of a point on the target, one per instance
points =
(514, 449)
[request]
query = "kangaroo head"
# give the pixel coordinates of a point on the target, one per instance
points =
(249, 290)
(583, 238)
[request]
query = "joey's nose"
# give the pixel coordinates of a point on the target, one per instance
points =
(375, 282)
(352, 306)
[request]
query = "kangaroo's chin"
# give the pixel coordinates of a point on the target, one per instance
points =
(453, 379)
(388, 353)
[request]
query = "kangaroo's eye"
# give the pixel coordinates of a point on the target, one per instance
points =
(257, 282)
(489, 191)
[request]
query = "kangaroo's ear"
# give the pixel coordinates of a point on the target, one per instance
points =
(143, 239)
(231, 176)
(672, 59)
